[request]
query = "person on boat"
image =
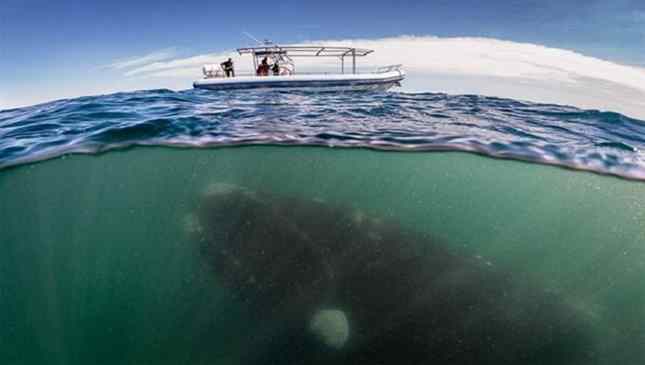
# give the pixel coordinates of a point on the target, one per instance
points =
(263, 69)
(228, 68)
(275, 69)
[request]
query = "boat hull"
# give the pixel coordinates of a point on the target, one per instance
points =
(375, 81)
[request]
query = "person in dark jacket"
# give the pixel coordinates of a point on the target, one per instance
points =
(228, 68)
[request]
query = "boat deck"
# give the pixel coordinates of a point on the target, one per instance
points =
(380, 80)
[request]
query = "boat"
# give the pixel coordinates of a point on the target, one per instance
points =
(285, 75)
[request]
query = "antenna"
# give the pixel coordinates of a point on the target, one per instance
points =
(249, 35)
(265, 42)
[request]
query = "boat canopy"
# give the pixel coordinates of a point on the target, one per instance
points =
(305, 51)
(285, 53)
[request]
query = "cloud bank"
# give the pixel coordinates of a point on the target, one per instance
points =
(468, 65)
(483, 66)
(160, 55)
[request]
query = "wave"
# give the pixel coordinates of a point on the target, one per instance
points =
(602, 142)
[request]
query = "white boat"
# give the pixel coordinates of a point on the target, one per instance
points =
(285, 76)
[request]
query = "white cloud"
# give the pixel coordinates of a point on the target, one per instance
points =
(160, 55)
(497, 58)
(459, 56)
(468, 65)
(178, 64)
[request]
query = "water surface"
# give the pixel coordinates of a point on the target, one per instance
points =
(603, 142)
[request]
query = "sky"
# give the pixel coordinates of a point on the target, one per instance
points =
(586, 53)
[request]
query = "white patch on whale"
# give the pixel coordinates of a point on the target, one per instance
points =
(220, 189)
(331, 327)
(192, 224)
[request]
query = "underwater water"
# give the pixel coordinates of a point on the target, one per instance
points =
(255, 254)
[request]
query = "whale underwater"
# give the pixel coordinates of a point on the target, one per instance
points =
(324, 283)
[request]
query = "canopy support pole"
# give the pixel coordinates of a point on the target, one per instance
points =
(354, 60)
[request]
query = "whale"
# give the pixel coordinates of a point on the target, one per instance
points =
(329, 283)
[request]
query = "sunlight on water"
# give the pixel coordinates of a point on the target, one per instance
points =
(100, 264)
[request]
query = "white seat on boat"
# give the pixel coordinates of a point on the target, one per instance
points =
(212, 70)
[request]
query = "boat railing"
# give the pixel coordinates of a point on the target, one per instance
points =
(388, 68)
(220, 75)
(213, 72)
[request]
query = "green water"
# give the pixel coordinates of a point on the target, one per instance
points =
(96, 266)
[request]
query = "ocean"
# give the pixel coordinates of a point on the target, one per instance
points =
(161, 227)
